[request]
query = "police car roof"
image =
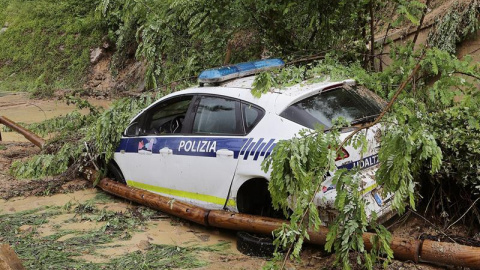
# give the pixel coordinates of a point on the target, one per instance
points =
(275, 100)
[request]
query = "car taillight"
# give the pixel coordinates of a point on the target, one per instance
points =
(342, 155)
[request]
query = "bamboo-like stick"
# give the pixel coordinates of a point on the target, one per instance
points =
(25, 132)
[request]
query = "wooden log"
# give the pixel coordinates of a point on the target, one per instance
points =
(155, 201)
(243, 222)
(404, 249)
(8, 259)
(450, 254)
(36, 140)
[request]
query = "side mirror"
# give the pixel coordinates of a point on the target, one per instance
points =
(132, 130)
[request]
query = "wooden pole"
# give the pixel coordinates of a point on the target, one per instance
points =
(404, 249)
(25, 132)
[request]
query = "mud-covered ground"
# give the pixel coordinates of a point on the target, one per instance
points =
(59, 223)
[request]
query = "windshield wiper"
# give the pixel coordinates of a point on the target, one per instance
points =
(364, 119)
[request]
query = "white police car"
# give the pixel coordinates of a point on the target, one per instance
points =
(205, 145)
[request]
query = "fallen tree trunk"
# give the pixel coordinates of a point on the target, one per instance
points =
(404, 249)
(25, 132)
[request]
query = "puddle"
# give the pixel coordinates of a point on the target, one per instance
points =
(27, 203)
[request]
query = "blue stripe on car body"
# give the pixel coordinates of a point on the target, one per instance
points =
(198, 146)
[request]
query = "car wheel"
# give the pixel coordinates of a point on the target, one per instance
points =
(114, 172)
(255, 245)
(253, 198)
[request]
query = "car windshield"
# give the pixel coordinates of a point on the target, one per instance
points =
(326, 106)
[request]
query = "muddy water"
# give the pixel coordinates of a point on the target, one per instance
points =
(19, 108)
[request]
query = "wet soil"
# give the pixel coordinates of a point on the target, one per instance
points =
(162, 230)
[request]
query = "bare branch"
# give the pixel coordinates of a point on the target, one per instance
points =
(468, 74)
(463, 214)
(421, 22)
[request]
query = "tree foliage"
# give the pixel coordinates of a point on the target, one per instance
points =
(460, 21)
(81, 140)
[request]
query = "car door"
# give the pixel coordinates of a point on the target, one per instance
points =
(145, 157)
(206, 160)
(195, 162)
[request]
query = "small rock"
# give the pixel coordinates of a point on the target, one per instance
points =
(4, 28)
(25, 228)
(106, 45)
(95, 55)
(143, 245)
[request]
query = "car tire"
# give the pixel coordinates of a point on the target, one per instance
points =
(255, 245)
(114, 172)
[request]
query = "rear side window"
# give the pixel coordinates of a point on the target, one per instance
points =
(251, 116)
(323, 108)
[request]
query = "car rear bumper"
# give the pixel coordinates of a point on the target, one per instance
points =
(376, 201)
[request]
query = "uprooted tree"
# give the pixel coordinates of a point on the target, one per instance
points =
(431, 127)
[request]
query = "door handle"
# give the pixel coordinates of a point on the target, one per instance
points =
(144, 152)
(224, 153)
(166, 151)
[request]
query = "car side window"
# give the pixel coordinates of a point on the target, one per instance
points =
(167, 117)
(217, 116)
(251, 116)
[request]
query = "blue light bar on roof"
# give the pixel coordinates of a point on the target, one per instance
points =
(222, 74)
